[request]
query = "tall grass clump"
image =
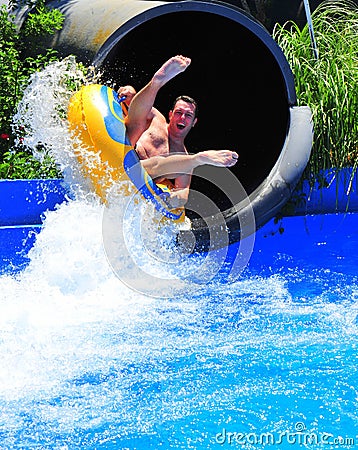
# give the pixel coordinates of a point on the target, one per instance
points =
(329, 84)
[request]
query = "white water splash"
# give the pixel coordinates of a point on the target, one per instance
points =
(42, 118)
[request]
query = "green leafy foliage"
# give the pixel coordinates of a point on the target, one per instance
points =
(17, 62)
(22, 165)
(42, 21)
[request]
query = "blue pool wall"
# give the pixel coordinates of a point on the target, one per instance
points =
(335, 192)
(23, 204)
(22, 207)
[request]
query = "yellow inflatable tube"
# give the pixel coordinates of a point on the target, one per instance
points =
(96, 123)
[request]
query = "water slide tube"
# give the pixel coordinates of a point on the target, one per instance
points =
(240, 78)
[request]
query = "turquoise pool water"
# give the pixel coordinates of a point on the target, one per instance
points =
(269, 361)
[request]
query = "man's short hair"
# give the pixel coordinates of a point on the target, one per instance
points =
(187, 99)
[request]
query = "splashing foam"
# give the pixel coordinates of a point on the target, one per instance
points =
(42, 119)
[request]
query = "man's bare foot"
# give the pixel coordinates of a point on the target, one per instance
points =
(219, 158)
(171, 69)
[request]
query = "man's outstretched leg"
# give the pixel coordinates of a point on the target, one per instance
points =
(140, 112)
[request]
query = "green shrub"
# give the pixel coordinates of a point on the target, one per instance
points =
(22, 165)
(17, 63)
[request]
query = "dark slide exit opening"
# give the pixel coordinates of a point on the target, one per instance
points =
(242, 88)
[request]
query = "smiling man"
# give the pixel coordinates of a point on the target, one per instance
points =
(160, 144)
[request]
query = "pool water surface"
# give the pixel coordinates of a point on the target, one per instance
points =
(269, 361)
